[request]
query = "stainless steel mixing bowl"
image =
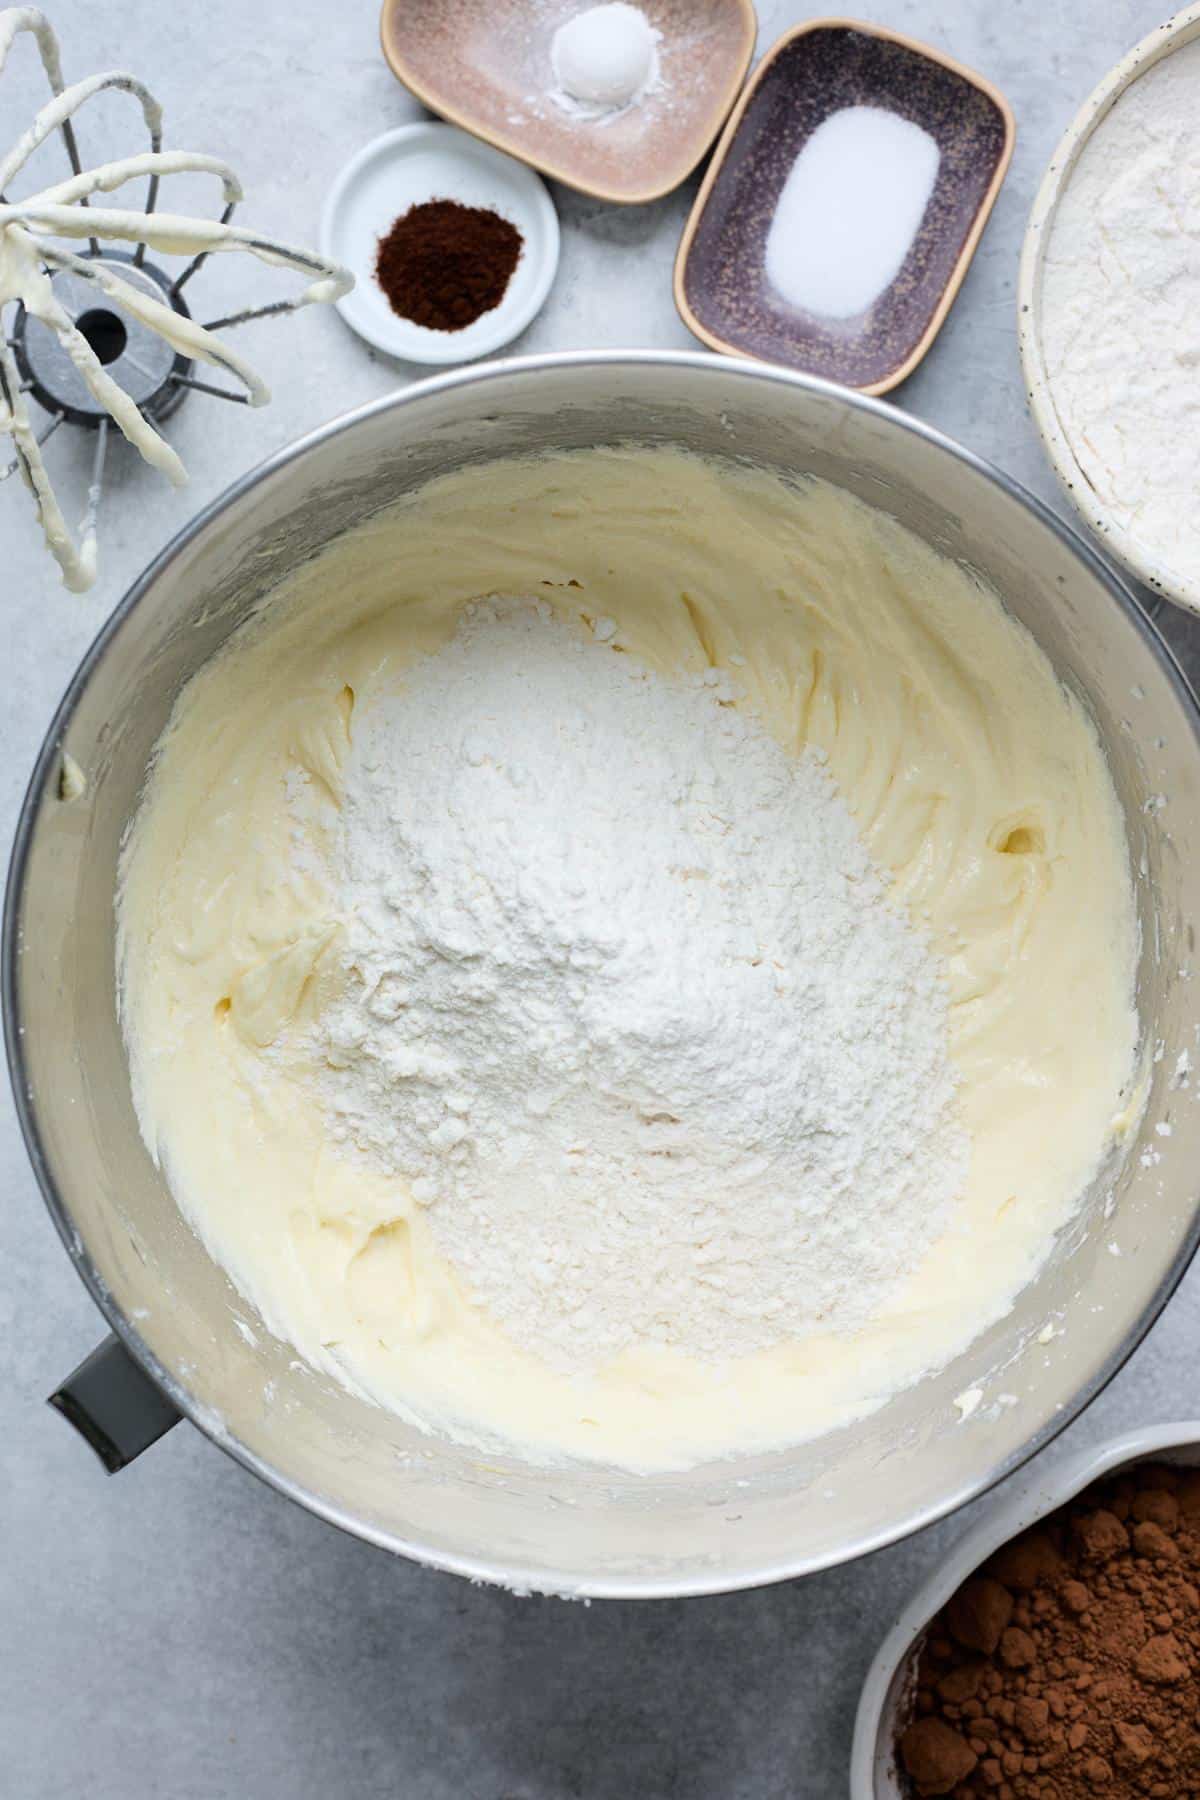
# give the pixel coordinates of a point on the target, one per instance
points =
(173, 1312)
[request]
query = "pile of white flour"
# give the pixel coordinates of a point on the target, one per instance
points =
(626, 1005)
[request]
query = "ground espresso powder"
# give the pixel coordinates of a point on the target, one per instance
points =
(443, 265)
(1069, 1667)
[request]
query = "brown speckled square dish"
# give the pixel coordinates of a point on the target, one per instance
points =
(721, 285)
(485, 65)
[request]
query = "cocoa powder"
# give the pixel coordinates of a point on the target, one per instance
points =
(443, 265)
(1068, 1668)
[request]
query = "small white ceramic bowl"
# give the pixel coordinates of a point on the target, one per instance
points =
(873, 1774)
(421, 162)
(1136, 556)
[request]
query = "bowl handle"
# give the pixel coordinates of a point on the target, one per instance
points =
(114, 1405)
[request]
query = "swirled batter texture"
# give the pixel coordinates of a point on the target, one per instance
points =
(975, 780)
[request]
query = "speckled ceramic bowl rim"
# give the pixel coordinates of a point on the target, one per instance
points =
(904, 369)
(1034, 1497)
(1141, 562)
(512, 146)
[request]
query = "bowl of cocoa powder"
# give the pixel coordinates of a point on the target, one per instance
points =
(1055, 1655)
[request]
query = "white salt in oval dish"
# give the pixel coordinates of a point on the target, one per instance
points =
(1144, 546)
(850, 210)
(843, 205)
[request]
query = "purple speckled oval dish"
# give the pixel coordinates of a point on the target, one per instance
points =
(721, 285)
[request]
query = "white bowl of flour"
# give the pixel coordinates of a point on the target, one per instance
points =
(1108, 297)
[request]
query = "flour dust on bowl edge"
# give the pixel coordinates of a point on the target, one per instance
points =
(589, 1530)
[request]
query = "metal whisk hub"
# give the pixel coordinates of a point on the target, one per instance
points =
(141, 362)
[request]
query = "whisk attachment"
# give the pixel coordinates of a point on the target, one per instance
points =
(103, 334)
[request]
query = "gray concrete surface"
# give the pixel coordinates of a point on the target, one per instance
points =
(180, 1631)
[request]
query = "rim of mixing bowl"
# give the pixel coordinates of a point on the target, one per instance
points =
(46, 769)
